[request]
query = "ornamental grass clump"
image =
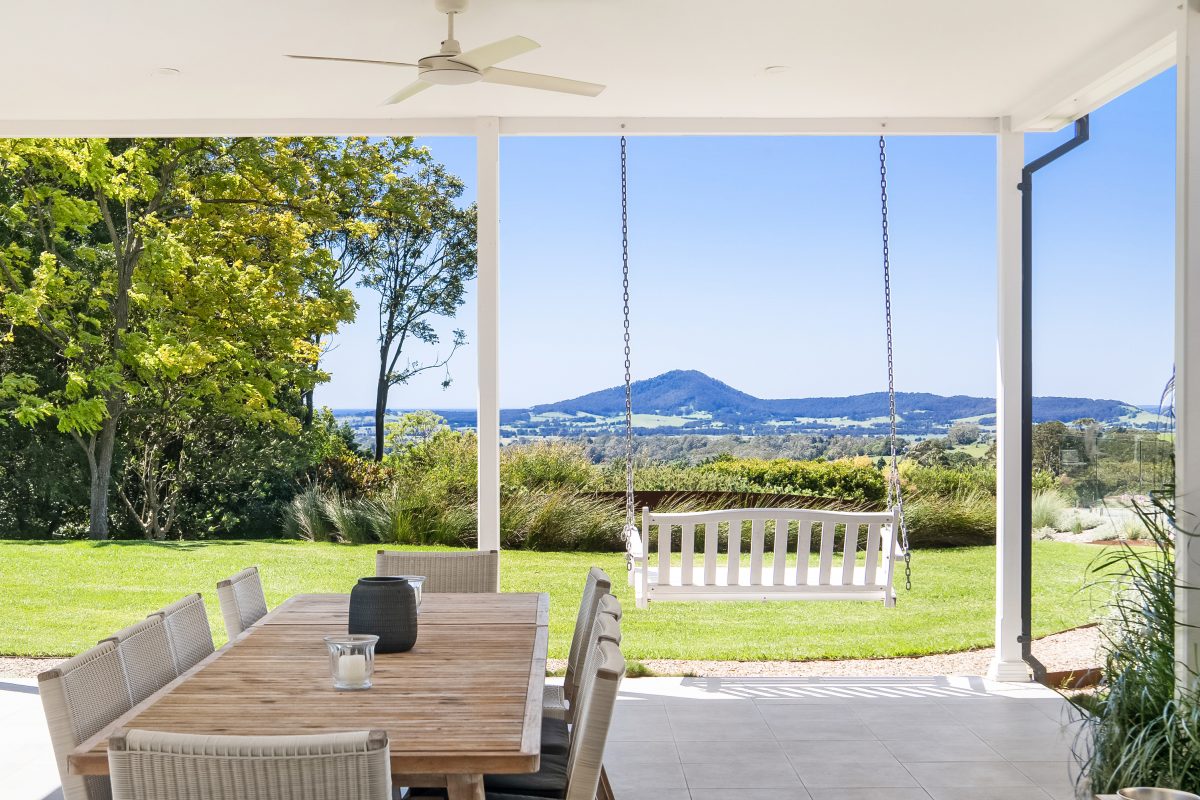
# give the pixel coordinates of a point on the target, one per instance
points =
(1141, 729)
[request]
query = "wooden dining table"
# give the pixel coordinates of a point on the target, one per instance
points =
(465, 701)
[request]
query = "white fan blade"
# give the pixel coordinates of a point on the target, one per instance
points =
(483, 57)
(550, 83)
(407, 92)
(352, 60)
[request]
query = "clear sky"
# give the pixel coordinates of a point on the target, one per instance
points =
(757, 261)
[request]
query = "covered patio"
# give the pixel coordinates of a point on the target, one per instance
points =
(675, 68)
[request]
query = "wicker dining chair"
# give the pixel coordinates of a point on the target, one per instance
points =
(188, 632)
(556, 699)
(444, 572)
(575, 775)
(242, 601)
(556, 737)
(145, 656)
(80, 697)
(157, 765)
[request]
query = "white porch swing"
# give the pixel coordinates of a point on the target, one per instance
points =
(867, 562)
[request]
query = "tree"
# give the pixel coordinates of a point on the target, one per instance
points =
(418, 259)
(1048, 446)
(163, 274)
(964, 433)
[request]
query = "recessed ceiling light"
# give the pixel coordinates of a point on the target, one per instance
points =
(164, 72)
(776, 69)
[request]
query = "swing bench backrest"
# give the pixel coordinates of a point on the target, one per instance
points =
(764, 554)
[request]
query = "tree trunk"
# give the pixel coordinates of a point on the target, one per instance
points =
(381, 398)
(100, 466)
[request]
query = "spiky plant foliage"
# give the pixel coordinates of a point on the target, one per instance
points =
(305, 518)
(350, 518)
(1048, 507)
(1141, 730)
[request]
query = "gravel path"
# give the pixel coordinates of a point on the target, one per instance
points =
(1070, 650)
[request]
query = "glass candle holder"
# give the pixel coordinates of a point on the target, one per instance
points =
(416, 581)
(351, 660)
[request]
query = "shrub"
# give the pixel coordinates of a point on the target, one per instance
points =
(559, 519)
(547, 464)
(947, 481)
(1141, 729)
(1048, 507)
(350, 517)
(847, 479)
(966, 518)
(304, 517)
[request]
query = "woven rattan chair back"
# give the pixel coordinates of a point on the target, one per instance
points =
(242, 601)
(595, 586)
(188, 632)
(444, 572)
(156, 765)
(596, 703)
(80, 697)
(145, 657)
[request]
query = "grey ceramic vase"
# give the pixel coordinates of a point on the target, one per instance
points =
(387, 608)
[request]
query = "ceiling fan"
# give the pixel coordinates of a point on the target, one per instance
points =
(451, 66)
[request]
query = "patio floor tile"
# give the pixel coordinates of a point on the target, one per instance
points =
(776, 739)
(984, 793)
(921, 750)
(968, 773)
(727, 752)
(855, 776)
(807, 751)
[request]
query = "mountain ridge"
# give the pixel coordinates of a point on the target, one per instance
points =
(683, 392)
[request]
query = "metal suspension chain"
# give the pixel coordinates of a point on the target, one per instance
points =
(894, 500)
(629, 529)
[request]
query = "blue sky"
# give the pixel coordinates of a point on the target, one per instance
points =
(756, 260)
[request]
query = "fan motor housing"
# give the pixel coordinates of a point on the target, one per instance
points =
(445, 71)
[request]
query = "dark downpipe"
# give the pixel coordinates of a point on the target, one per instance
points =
(1026, 187)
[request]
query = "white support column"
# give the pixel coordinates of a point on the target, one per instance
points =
(487, 335)
(1010, 159)
(1187, 345)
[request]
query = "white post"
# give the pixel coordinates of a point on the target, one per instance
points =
(1008, 665)
(487, 286)
(1187, 346)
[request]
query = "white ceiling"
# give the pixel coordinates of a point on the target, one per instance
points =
(93, 59)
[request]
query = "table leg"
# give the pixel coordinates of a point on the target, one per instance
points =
(464, 787)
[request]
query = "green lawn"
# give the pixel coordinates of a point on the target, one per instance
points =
(61, 597)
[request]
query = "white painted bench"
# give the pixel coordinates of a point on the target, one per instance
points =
(863, 574)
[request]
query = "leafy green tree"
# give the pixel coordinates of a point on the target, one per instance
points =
(163, 274)
(418, 260)
(411, 430)
(964, 433)
(1047, 446)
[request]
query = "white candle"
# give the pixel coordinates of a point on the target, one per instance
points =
(352, 668)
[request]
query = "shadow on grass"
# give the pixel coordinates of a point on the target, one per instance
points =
(178, 544)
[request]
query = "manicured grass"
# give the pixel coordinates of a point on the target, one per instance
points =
(61, 597)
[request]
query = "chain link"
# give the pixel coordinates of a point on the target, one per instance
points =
(629, 498)
(894, 500)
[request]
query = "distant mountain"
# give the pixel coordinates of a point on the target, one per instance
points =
(690, 402)
(686, 392)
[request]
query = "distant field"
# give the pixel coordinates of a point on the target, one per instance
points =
(61, 597)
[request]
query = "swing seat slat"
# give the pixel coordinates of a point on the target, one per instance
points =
(777, 565)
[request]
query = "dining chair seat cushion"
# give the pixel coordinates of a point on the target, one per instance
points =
(554, 702)
(556, 738)
(549, 781)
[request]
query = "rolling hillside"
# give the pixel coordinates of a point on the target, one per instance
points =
(690, 402)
